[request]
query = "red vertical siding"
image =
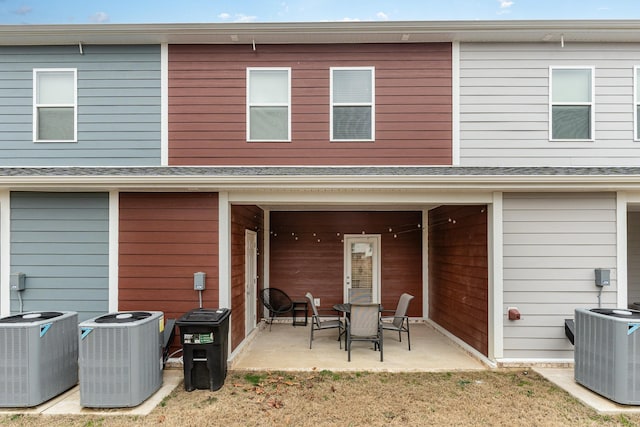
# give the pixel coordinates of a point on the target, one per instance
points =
(243, 218)
(458, 273)
(306, 265)
(164, 239)
(207, 105)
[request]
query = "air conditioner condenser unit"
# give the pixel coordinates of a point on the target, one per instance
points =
(38, 356)
(121, 358)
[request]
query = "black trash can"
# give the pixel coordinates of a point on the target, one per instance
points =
(204, 336)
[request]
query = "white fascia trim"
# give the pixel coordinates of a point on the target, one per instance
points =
(5, 250)
(348, 182)
(375, 198)
(164, 104)
(621, 250)
(455, 103)
(114, 230)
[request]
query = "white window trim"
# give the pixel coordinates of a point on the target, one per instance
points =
(636, 137)
(276, 104)
(74, 105)
(371, 104)
(592, 103)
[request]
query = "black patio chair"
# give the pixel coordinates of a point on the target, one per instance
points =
(276, 301)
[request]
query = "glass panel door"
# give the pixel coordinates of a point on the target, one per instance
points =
(362, 268)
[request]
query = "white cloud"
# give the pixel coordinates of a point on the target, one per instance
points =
(99, 17)
(245, 18)
(347, 19)
(224, 15)
(383, 16)
(23, 10)
(505, 4)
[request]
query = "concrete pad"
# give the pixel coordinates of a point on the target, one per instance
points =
(286, 348)
(68, 403)
(564, 378)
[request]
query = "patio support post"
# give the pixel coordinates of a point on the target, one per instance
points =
(621, 249)
(496, 285)
(224, 242)
(114, 229)
(5, 252)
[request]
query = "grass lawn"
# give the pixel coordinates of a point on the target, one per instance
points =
(325, 398)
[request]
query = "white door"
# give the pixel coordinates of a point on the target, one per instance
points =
(362, 266)
(250, 278)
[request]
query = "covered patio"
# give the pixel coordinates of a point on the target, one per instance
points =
(287, 348)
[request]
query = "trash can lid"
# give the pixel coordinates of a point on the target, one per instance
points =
(204, 316)
(31, 317)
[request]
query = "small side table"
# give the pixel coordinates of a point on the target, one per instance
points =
(298, 308)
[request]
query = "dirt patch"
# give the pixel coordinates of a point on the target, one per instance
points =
(499, 397)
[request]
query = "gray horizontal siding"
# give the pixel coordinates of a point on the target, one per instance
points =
(61, 242)
(552, 243)
(504, 104)
(118, 106)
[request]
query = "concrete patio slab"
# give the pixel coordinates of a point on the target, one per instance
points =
(68, 403)
(287, 348)
(564, 378)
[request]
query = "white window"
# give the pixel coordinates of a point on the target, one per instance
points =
(636, 102)
(55, 105)
(352, 106)
(269, 104)
(571, 103)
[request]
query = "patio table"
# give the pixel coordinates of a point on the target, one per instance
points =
(346, 307)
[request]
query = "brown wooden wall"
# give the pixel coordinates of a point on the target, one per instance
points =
(306, 265)
(207, 105)
(164, 239)
(458, 273)
(243, 218)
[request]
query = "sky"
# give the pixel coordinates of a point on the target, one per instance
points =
(231, 11)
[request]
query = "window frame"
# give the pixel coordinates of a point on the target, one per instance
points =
(591, 103)
(36, 105)
(249, 104)
(371, 104)
(636, 102)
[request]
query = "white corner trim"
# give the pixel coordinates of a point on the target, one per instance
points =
(114, 249)
(5, 250)
(164, 104)
(224, 257)
(455, 103)
(425, 264)
(621, 249)
(496, 277)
